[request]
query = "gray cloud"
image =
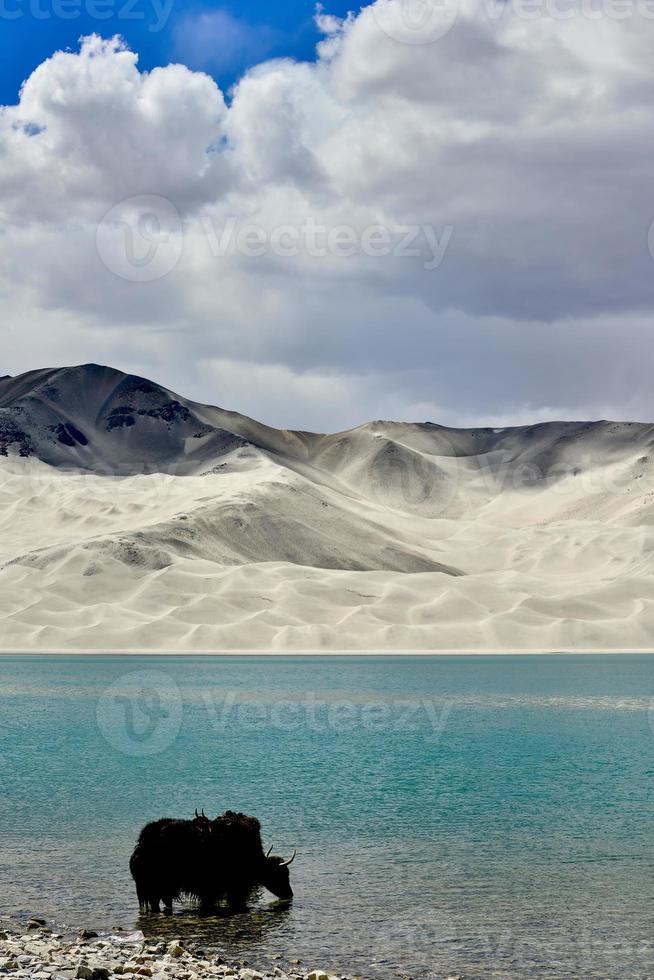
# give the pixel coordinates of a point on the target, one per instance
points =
(527, 139)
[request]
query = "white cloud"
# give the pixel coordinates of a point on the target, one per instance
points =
(528, 138)
(107, 131)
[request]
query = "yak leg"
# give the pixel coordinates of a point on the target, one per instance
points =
(237, 899)
(142, 897)
(153, 901)
(167, 904)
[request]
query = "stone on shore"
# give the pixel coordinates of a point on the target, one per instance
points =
(40, 954)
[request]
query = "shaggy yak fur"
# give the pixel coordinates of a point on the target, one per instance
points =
(208, 860)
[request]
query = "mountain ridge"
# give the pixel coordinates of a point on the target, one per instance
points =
(132, 518)
(35, 414)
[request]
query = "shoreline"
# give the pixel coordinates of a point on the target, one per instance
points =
(36, 952)
(324, 654)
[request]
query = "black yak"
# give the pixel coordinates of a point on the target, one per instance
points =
(208, 860)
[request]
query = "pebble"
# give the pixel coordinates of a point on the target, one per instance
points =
(36, 953)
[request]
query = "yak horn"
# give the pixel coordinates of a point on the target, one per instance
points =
(285, 864)
(203, 813)
(196, 814)
(269, 852)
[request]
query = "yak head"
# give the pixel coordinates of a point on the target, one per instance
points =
(275, 877)
(201, 819)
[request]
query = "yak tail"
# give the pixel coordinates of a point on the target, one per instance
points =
(134, 864)
(141, 893)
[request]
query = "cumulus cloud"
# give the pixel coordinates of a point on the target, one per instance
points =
(455, 229)
(90, 129)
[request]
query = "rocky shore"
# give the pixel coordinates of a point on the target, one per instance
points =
(37, 953)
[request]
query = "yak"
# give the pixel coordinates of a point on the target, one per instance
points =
(207, 860)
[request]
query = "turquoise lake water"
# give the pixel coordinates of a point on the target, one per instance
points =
(477, 816)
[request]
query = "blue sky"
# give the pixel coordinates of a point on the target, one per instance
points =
(221, 39)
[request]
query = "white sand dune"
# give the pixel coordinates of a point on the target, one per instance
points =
(133, 519)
